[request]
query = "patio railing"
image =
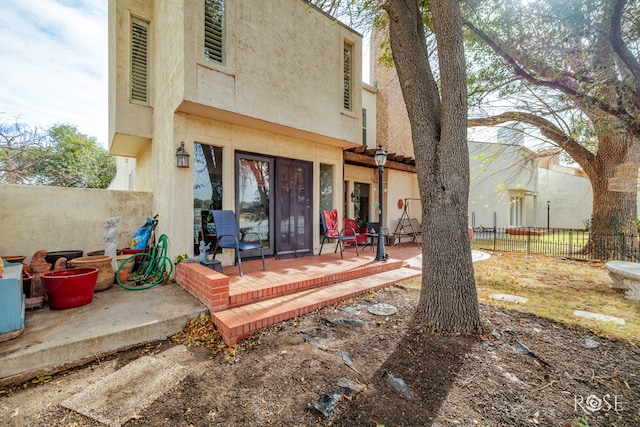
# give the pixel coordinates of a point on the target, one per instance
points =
(566, 243)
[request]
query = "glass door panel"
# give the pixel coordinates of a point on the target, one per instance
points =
(253, 199)
(207, 191)
(294, 208)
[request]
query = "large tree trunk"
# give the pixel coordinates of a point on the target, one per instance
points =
(448, 299)
(614, 214)
(614, 227)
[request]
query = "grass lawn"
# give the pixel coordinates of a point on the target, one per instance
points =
(555, 288)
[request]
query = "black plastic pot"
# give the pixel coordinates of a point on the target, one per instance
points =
(52, 257)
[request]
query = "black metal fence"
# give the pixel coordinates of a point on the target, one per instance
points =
(566, 243)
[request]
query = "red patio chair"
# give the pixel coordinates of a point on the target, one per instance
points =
(332, 232)
(351, 227)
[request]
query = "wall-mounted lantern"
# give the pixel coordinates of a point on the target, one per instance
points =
(182, 157)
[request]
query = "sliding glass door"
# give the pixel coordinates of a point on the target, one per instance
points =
(253, 199)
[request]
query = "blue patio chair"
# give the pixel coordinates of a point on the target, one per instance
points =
(228, 237)
(331, 232)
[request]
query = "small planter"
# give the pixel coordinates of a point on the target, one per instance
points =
(106, 275)
(52, 257)
(70, 288)
(129, 252)
(123, 275)
(129, 265)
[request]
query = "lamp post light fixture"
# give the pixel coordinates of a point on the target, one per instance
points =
(182, 157)
(380, 158)
(548, 213)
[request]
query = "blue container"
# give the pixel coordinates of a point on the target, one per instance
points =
(12, 301)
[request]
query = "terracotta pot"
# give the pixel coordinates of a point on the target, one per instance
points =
(70, 288)
(129, 265)
(123, 275)
(52, 257)
(106, 275)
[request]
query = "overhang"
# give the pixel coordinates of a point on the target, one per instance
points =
(363, 156)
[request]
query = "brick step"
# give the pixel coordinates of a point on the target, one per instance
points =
(280, 283)
(238, 323)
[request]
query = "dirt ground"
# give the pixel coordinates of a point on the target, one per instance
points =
(344, 366)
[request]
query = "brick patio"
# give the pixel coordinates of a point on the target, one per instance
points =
(240, 306)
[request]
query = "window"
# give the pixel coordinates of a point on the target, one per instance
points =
(515, 217)
(364, 126)
(139, 60)
(207, 188)
(326, 187)
(214, 30)
(347, 75)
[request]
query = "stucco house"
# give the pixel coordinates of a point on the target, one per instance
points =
(510, 185)
(267, 100)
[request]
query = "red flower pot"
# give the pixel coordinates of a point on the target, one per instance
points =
(70, 288)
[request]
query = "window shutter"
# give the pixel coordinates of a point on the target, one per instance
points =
(214, 30)
(139, 60)
(348, 51)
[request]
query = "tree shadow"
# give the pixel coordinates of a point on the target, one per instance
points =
(427, 364)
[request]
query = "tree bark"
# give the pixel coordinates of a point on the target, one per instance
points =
(614, 214)
(448, 299)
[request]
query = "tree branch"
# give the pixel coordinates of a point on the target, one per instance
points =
(618, 44)
(581, 155)
(620, 113)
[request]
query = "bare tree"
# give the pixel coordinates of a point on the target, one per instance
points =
(17, 141)
(61, 157)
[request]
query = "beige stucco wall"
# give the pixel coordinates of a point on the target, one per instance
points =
(283, 66)
(403, 185)
(499, 171)
(231, 138)
(278, 93)
(393, 129)
(571, 199)
(55, 218)
(129, 121)
(396, 185)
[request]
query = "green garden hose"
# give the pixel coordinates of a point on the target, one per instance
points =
(150, 268)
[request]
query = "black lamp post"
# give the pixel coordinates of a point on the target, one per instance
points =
(548, 213)
(380, 158)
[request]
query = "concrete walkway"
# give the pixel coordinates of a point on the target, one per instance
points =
(116, 319)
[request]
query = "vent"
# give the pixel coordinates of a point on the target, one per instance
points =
(214, 30)
(347, 94)
(139, 60)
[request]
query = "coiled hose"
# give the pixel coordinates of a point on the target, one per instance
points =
(150, 268)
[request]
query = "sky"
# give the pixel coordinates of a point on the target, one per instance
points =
(53, 64)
